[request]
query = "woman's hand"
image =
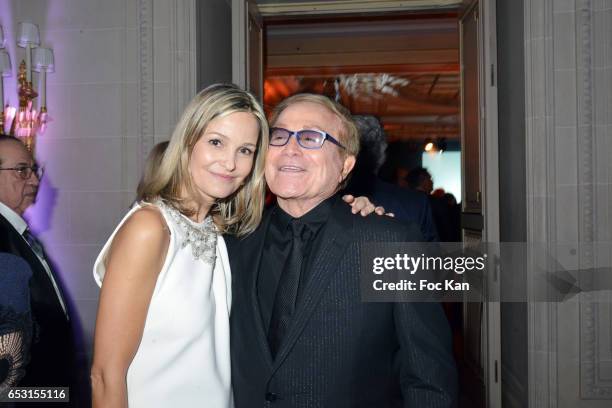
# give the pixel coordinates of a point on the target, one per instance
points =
(364, 206)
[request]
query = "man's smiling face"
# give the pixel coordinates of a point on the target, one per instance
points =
(307, 176)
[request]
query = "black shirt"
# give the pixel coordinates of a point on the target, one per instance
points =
(277, 246)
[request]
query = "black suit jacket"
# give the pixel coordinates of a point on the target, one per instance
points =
(339, 351)
(407, 205)
(52, 356)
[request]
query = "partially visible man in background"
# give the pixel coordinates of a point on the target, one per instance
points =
(419, 179)
(52, 353)
(444, 208)
(405, 204)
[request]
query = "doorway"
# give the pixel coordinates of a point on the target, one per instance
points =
(401, 62)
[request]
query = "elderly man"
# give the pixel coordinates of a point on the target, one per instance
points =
(51, 359)
(301, 337)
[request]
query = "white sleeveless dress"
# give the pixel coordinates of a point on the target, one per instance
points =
(184, 357)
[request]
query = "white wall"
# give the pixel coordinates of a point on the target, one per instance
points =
(124, 71)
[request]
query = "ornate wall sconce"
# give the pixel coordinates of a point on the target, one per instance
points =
(26, 120)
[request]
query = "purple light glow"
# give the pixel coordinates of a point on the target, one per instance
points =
(40, 215)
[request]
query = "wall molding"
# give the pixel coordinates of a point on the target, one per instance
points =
(351, 6)
(592, 313)
(146, 89)
(183, 68)
(183, 51)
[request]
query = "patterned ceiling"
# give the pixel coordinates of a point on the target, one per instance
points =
(403, 70)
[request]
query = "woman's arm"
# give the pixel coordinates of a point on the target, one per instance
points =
(134, 261)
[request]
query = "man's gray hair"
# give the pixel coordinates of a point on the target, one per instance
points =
(8, 138)
(373, 141)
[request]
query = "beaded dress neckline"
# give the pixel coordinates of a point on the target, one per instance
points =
(202, 237)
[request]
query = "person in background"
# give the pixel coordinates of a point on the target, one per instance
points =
(445, 210)
(405, 204)
(438, 193)
(419, 179)
(15, 319)
(152, 163)
(52, 357)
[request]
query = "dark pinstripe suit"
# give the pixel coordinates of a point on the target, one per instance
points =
(339, 352)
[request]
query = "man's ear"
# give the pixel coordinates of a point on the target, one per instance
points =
(349, 163)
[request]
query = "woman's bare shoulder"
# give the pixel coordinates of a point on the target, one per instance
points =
(145, 227)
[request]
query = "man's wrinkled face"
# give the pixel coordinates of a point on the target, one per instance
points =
(15, 192)
(304, 175)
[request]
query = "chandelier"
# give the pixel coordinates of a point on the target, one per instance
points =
(371, 85)
(27, 119)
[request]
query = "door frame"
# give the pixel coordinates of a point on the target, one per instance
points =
(245, 13)
(490, 184)
(240, 22)
(323, 7)
(484, 217)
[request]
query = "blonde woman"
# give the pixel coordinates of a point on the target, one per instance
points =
(162, 331)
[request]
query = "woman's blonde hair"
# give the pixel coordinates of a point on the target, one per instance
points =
(239, 213)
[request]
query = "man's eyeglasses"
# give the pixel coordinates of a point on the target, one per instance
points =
(307, 138)
(26, 172)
